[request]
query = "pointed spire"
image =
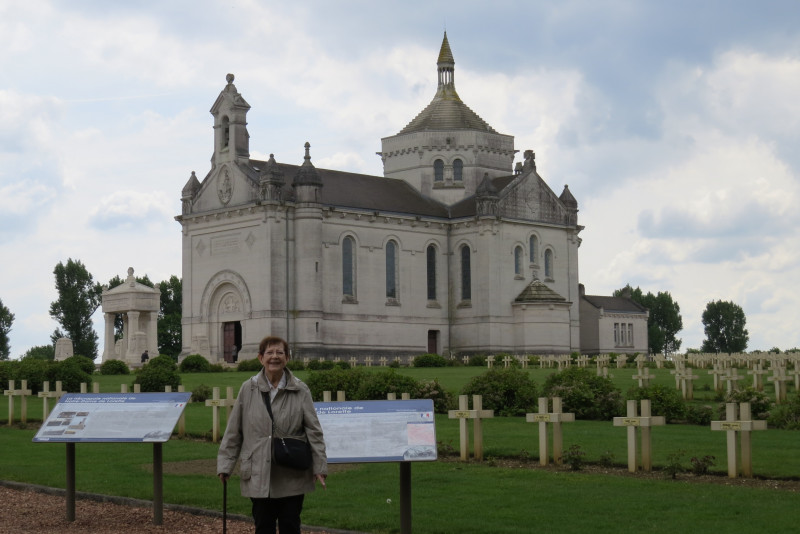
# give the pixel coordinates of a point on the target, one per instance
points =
(486, 187)
(446, 65)
(307, 173)
(567, 199)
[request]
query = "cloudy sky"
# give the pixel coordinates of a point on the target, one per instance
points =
(676, 125)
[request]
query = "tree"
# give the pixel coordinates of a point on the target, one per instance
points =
(169, 316)
(725, 327)
(6, 320)
(41, 352)
(664, 321)
(78, 298)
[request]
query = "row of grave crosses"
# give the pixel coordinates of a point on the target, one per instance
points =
(638, 424)
(639, 427)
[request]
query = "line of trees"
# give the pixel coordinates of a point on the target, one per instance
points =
(724, 323)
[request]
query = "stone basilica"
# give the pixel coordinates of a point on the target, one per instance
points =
(452, 251)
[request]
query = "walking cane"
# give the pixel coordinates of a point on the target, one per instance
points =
(224, 506)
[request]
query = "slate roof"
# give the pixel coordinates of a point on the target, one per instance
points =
(615, 304)
(362, 191)
(537, 291)
(468, 206)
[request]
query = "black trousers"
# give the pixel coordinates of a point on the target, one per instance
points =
(286, 511)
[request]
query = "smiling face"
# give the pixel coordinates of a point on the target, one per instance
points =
(274, 359)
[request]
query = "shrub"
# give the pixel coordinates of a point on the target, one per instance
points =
(114, 367)
(7, 370)
(760, 403)
(86, 364)
(154, 378)
(585, 394)
(341, 364)
(430, 360)
(477, 360)
(249, 366)
(34, 371)
(574, 457)
(195, 363)
(675, 463)
(163, 361)
(334, 380)
(320, 365)
(787, 416)
(70, 373)
(699, 415)
(201, 393)
(508, 392)
(216, 368)
(700, 466)
(443, 400)
(664, 401)
(295, 365)
(376, 385)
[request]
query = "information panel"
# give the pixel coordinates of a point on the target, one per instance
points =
(378, 431)
(116, 417)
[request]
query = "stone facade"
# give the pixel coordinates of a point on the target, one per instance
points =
(612, 324)
(436, 256)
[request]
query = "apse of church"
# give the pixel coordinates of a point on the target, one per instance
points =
(452, 251)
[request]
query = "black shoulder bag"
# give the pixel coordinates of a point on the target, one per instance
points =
(288, 452)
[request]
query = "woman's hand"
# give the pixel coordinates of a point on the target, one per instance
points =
(321, 479)
(223, 477)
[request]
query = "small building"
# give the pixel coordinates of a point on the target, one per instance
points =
(612, 324)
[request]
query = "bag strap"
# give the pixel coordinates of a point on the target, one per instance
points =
(269, 409)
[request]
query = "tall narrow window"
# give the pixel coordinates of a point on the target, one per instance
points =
(548, 263)
(226, 132)
(630, 334)
(348, 268)
(534, 249)
(518, 261)
(391, 270)
(466, 274)
(431, 252)
(458, 170)
(616, 334)
(438, 170)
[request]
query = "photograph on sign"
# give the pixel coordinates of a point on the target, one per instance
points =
(378, 431)
(115, 417)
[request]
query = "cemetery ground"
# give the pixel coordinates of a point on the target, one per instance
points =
(507, 492)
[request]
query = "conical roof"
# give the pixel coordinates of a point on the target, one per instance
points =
(446, 111)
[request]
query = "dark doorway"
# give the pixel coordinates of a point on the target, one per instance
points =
(433, 342)
(231, 341)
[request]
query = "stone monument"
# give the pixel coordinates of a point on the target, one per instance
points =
(64, 349)
(139, 305)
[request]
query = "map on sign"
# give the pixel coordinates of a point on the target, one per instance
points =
(99, 417)
(378, 431)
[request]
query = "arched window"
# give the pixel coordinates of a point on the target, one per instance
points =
(466, 274)
(548, 263)
(438, 170)
(458, 170)
(534, 249)
(391, 270)
(349, 268)
(518, 261)
(431, 253)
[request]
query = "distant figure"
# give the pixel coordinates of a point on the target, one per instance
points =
(145, 357)
(235, 353)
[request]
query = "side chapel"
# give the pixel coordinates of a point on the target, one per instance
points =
(452, 251)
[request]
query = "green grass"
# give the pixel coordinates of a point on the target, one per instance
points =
(448, 496)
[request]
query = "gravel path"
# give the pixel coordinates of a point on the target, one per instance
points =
(34, 509)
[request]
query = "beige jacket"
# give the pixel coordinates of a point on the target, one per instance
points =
(249, 432)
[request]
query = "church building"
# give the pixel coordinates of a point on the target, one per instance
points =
(452, 251)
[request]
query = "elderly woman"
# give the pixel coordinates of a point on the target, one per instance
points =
(276, 491)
